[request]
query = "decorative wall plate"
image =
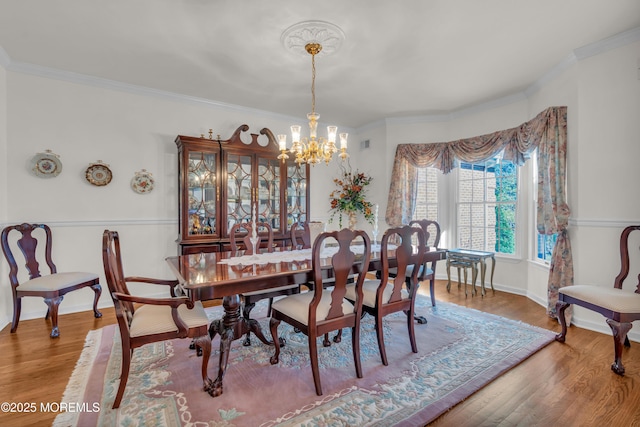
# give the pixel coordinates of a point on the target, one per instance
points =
(98, 174)
(46, 165)
(142, 182)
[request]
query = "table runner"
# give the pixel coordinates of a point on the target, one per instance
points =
(293, 255)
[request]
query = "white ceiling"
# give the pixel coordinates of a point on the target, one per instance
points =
(399, 58)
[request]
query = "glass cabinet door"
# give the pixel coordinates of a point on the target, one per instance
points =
(239, 189)
(269, 192)
(296, 194)
(225, 182)
(202, 193)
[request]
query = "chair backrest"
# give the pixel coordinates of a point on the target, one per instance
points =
(344, 262)
(114, 275)
(243, 230)
(624, 258)
(300, 235)
(431, 231)
(29, 235)
(407, 256)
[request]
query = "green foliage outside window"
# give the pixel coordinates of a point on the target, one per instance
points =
(506, 191)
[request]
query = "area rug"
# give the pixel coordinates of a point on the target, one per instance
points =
(460, 351)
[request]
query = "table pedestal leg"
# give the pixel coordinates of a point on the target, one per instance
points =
(231, 327)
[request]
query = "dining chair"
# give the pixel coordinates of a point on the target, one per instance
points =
(52, 287)
(144, 320)
(240, 235)
(389, 294)
(618, 305)
(301, 239)
(243, 231)
(320, 311)
(300, 235)
(432, 233)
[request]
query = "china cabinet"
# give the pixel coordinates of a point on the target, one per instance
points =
(223, 182)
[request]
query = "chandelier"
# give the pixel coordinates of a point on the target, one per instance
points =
(314, 149)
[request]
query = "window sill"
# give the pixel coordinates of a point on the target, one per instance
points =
(540, 264)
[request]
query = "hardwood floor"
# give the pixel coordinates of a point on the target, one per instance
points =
(563, 384)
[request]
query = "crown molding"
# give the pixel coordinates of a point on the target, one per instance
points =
(610, 43)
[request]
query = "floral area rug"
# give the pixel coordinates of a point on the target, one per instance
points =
(460, 350)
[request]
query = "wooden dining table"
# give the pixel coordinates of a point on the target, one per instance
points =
(208, 276)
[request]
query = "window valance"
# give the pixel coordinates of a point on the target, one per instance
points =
(516, 143)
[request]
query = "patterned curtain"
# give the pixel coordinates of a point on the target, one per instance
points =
(547, 131)
(553, 211)
(404, 179)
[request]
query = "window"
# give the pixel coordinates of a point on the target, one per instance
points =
(427, 194)
(544, 244)
(486, 205)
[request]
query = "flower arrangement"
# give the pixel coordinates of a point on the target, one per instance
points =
(350, 197)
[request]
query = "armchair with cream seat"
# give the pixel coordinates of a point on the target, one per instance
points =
(619, 306)
(144, 320)
(52, 287)
(242, 231)
(389, 294)
(320, 311)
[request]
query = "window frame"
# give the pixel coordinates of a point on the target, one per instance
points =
(438, 203)
(519, 216)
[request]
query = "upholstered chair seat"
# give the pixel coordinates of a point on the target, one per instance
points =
(57, 281)
(297, 306)
(612, 299)
(369, 290)
(156, 319)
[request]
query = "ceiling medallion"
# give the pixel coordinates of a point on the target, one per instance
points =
(298, 36)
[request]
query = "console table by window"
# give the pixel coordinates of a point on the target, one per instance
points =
(467, 258)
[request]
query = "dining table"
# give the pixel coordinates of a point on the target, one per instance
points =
(227, 275)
